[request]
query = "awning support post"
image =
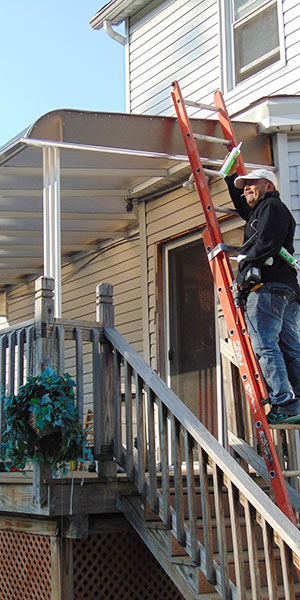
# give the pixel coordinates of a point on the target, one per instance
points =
(51, 222)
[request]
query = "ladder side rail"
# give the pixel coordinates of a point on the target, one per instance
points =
(250, 382)
(196, 166)
(213, 227)
(227, 128)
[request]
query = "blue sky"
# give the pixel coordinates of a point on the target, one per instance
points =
(52, 58)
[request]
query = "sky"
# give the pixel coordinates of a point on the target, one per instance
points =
(52, 58)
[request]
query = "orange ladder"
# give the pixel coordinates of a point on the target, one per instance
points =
(254, 385)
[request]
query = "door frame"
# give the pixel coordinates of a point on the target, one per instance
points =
(166, 247)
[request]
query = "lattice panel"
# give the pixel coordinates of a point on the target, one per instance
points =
(118, 566)
(25, 566)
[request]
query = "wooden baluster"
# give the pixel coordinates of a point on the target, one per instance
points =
(271, 570)
(235, 523)
(29, 350)
(164, 459)
(140, 423)
(118, 449)
(3, 349)
(95, 339)
(60, 336)
(107, 467)
(11, 363)
(190, 476)
(79, 371)
(221, 530)
(287, 573)
(251, 526)
(44, 350)
(206, 516)
(150, 397)
(128, 419)
(20, 357)
(180, 532)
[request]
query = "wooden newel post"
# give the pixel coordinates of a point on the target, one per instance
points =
(44, 316)
(104, 413)
(44, 353)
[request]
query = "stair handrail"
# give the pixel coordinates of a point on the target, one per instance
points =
(282, 527)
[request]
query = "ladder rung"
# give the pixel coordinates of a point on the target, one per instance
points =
(189, 184)
(212, 172)
(290, 473)
(201, 105)
(210, 138)
(227, 211)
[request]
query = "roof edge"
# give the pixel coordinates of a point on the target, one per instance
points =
(116, 11)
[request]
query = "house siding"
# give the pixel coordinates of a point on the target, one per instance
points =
(294, 181)
(118, 265)
(176, 214)
(272, 81)
(188, 48)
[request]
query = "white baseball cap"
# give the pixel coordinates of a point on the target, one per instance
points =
(239, 182)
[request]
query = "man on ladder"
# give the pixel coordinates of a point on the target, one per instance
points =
(269, 289)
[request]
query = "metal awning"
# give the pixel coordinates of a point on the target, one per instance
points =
(68, 183)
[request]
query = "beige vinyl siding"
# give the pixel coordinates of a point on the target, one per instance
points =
(177, 40)
(118, 265)
(294, 180)
(20, 304)
(175, 214)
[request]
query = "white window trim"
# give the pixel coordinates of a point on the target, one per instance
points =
(229, 86)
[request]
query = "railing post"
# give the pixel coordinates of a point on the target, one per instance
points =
(104, 412)
(44, 353)
(43, 316)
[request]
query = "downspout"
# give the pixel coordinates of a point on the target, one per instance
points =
(107, 26)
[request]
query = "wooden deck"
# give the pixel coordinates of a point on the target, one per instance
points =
(206, 505)
(79, 493)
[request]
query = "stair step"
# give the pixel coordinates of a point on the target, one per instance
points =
(281, 593)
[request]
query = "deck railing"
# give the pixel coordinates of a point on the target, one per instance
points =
(171, 458)
(197, 457)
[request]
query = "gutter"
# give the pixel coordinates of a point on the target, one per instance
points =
(118, 37)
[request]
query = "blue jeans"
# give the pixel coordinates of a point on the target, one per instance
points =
(273, 320)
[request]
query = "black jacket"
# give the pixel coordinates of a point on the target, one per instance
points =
(269, 226)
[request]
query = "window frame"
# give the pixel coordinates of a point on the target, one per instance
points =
(229, 81)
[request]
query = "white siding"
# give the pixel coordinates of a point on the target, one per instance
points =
(294, 180)
(181, 40)
(177, 40)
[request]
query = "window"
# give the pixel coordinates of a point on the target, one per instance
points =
(253, 38)
(256, 36)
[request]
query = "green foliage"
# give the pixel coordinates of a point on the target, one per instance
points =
(42, 424)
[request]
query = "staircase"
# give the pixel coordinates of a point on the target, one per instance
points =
(212, 528)
(215, 531)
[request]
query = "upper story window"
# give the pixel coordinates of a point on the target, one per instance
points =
(254, 37)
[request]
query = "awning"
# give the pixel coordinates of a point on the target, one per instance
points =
(71, 181)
